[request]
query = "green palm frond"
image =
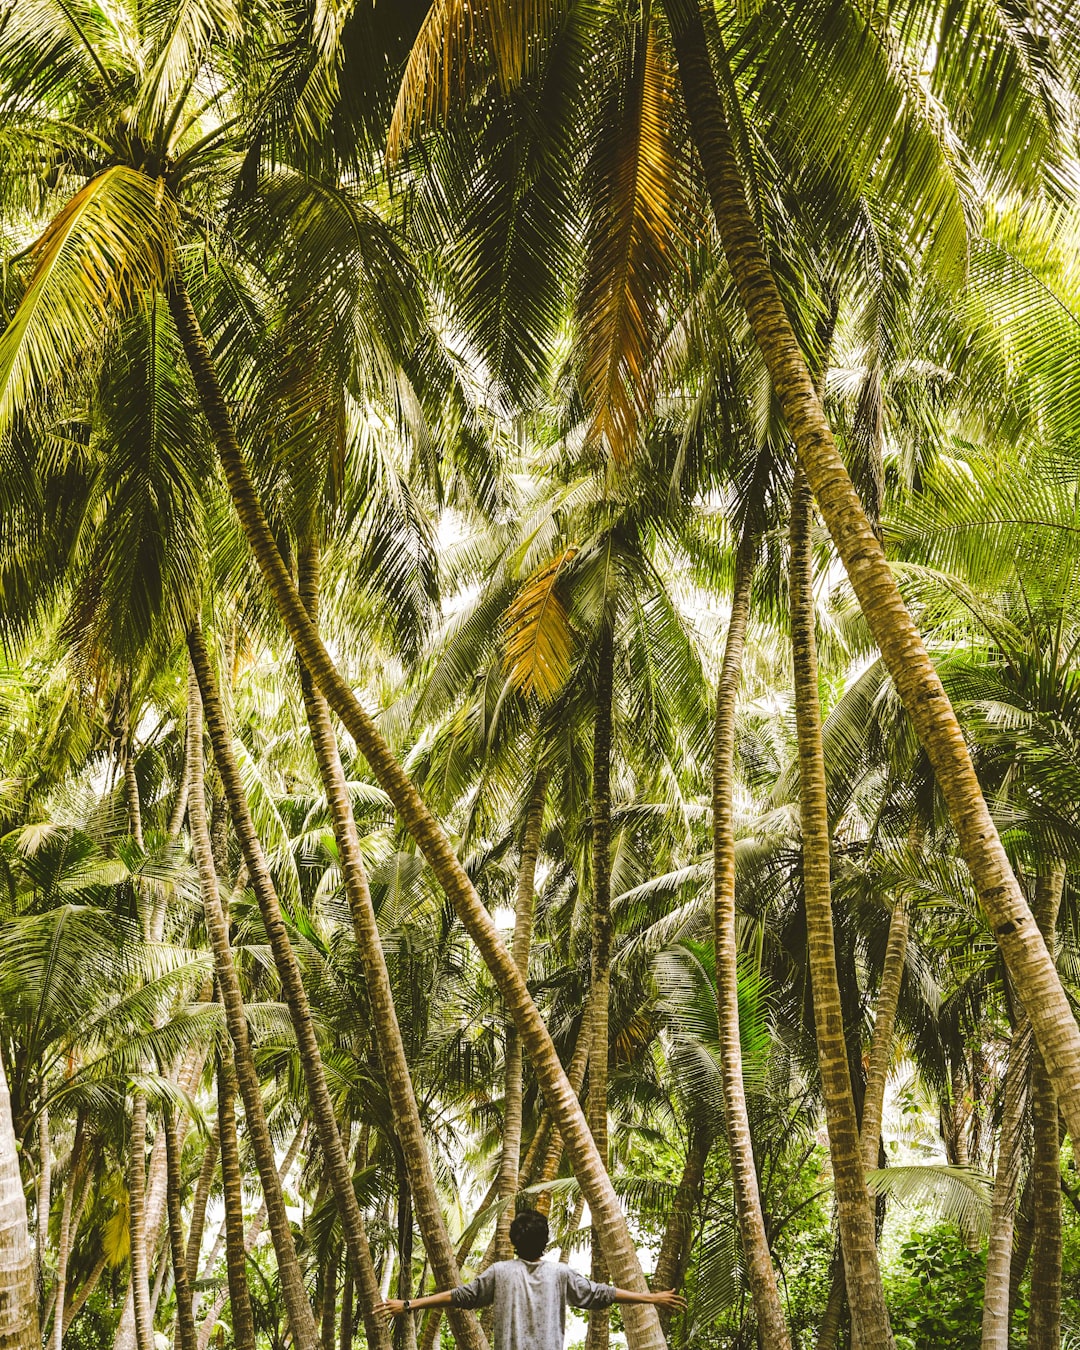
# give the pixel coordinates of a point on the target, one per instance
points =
(106, 250)
(959, 1195)
(538, 646)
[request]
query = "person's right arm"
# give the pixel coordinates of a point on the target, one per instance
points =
(478, 1293)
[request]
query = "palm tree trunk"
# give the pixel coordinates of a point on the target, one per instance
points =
(1044, 1325)
(599, 1333)
(236, 1256)
(345, 1338)
(232, 1191)
(18, 1292)
(298, 1309)
(869, 1319)
(995, 1320)
(1033, 971)
(44, 1195)
(523, 923)
(760, 1272)
(391, 1047)
(63, 1246)
(434, 1317)
(199, 1203)
(329, 1302)
(340, 1174)
(881, 1047)
(641, 1319)
(185, 1322)
(84, 1291)
(679, 1231)
(140, 1274)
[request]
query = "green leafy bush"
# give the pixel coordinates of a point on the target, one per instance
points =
(935, 1298)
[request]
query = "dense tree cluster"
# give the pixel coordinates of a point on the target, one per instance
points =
(538, 665)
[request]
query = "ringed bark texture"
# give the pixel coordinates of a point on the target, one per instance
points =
(298, 1309)
(1044, 1322)
(760, 1272)
(995, 1321)
(618, 1245)
(1030, 965)
(855, 1215)
(18, 1287)
(292, 986)
(391, 1047)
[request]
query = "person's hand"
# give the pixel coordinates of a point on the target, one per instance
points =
(393, 1307)
(668, 1298)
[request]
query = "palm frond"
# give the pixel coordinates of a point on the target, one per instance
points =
(538, 643)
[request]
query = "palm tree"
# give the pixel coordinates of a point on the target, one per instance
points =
(300, 1315)
(19, 1326)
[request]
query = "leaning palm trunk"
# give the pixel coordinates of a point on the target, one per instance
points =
(238, 1253)
(1032, 970)
(199, 1202)
(869, 1319)
(140, 1274)
(243, 1325)
(760, 1272)
(599, 1334)
(641, 1320)
(44, 1194)
(18, 1294)
(995, 1320)
(523, 921)
(391, 1047)
(1044, 1323)
(679, 1230)
(185, 1321)
(881, 1046)
(63, 1247)
(298, 1309)
(292, 986)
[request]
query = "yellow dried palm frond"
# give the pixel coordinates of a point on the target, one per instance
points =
(510, 33)
(538, 643)
(636, 242)
(106, 249)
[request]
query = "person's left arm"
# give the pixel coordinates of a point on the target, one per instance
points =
(583, 1293)
(394, 1307)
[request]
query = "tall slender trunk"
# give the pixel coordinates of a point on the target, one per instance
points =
(760, 1272)
(869, 1318)
(345, 1338)
(1030, 965)
(301, 1320)
(84, 1291)
(679, 1230)
(329, 1302)
(295, 995)
(881, 1048)
(995, 1320)
(641, 1319)
(236, 1255)
(18, 1292)
(1044, 1324)
(599, 1333)
(1023, 1236)
(63, 1245)
(199, 1202)
(233, 1196)
(185, 1321)
(140, 1274)
(391, 1047)
(523, 924)
(434, 1317)
(44, 1194)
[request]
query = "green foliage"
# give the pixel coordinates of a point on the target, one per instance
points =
(935, 1298)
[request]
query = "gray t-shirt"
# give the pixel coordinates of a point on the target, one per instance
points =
(530, 1299)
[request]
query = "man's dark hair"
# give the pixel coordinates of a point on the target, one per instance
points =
(529, 1234)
